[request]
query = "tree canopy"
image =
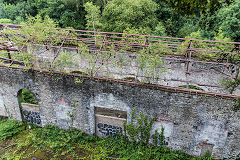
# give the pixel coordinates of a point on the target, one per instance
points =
(159, 17)
(119, 15)
(230, 18)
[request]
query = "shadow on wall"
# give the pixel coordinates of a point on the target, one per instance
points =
(29, 108)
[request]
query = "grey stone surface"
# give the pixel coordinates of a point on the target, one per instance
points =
(3, 111)
(173, 73)
(194, 123)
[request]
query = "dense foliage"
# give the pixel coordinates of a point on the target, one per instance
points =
(52, 143)
(119, 15)
(27, 96)
(160, 17)
(9, 128)
(230, 18)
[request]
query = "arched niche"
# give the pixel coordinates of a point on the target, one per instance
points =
(29, 108)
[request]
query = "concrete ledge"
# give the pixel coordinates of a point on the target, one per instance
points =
(30, 107)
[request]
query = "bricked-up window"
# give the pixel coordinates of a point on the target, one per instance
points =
(109, 122)
(29, 107)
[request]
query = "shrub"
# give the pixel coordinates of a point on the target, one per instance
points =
(10, 128)
(5, 21)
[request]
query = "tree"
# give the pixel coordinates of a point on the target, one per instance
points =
(194, 7)
(74, 14)
(119, 15)
(230, 18)
(160, 30)
(170, 20)
(16, 13)
(208, 25)
(65, 12)
(92, 16)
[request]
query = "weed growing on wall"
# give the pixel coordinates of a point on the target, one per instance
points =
(139, 132)
(236, 106)
(72, 115)
(231, 84)
(79, 80)
(234, 67)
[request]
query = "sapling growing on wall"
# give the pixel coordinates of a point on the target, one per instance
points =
(139, 132)
(72, 114)
(158, 139)
(236, 106)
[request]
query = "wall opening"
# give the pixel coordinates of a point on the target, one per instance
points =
(108, 122)
(29, 108)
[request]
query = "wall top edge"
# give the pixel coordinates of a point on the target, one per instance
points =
(162, 87)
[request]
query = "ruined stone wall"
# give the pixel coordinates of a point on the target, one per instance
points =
(192, 123)
(207, 76)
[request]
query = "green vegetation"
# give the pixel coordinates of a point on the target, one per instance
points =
(62, 11)
(9, 128)
(160, 17)
(6, 21)
(139, 133)
(192, 87)
(93, 17)
(232, 84)
(236, 106)
(52, 143)
(215, 20)
(27, 96)
(33, 31)
(119, 15)
(230, 17)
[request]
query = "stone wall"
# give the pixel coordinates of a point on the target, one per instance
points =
(192, 123)
(205, 75)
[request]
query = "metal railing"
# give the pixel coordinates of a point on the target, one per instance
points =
(172, 50)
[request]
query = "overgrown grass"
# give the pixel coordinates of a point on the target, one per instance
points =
(52, 143)
(9, 128)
